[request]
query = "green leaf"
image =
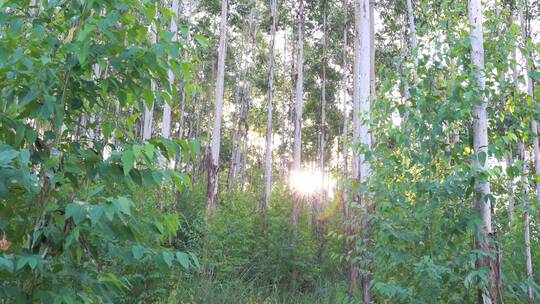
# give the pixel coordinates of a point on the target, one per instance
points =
(148, 98)
(21, 262)
(128, 161)
(83, 52)
(7, 156)
(137, 149)
(195, 259)
(149, 150)
(201, 40)
(76, 212)
(95, 213)
(123, 204)
(138, 251)
(535, 75)
(183, 258)
(482, 156)
(168, 258)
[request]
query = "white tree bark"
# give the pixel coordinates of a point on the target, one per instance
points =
(480, 142)
(297, 150)
(363, 92)
(361, 115)
(323, 99)
(149, 112)
(299, 90)
(413, 38)
(344, 94)
(268, 148)
(213, 171)
(166, 128)
(526, 220)
(534, 131)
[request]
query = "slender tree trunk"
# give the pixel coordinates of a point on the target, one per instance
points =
(345, 132)
(353, 273)
(298, 128)
(344, 92)
(413, 38)
(166, 128)
(534, 131)
(149, 112)
(480, 142)
(239, 149)
(373, 85)
(286, 96)
(322, 133)
(268, 148)
(235, 153)
(320, 226)
(526, 220)
(510, 186)
(213, 170)
(361, 115)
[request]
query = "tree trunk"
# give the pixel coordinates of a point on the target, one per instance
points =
(166, 128)
(345, 132)
(320, 226)
(361, 115)
(480, 143)
(268, 148)
(298, 128)
(534, 131)
(149, 112)
(372, 49)
(413, 38)
(322, 133)
(526, 220)
(213, 170)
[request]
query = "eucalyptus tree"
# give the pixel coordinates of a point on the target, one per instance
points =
(413, 38)
(213, 170)
(482, 199)
(148, 102)
(173, 27)
(298, 107)
(269, 131)
(536, 148)
(361, 136)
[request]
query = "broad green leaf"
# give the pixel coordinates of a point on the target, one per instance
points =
(138, 251)
(168, 258)
(95, 213)
(123, 204)
(183, 258)
(7, 156)
(128, 161)
(76, 212)
(482, 156)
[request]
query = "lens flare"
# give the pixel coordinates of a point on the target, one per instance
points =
(309, 182)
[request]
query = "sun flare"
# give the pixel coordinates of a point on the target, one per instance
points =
(309, 182)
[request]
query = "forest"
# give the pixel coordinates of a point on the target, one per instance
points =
(277, 151)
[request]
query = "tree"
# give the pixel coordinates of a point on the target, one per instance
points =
(297, 147)
(166, 128)
(268, 147)
(213, 170)
(361, 116)
(480, 142)
(149, 110)
(534, 133)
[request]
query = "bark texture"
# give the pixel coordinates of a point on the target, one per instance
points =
(213, 170)
(480, 143)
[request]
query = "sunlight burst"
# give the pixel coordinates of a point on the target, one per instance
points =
(310, 182)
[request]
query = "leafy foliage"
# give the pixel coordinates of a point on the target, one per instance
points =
(70, 228)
